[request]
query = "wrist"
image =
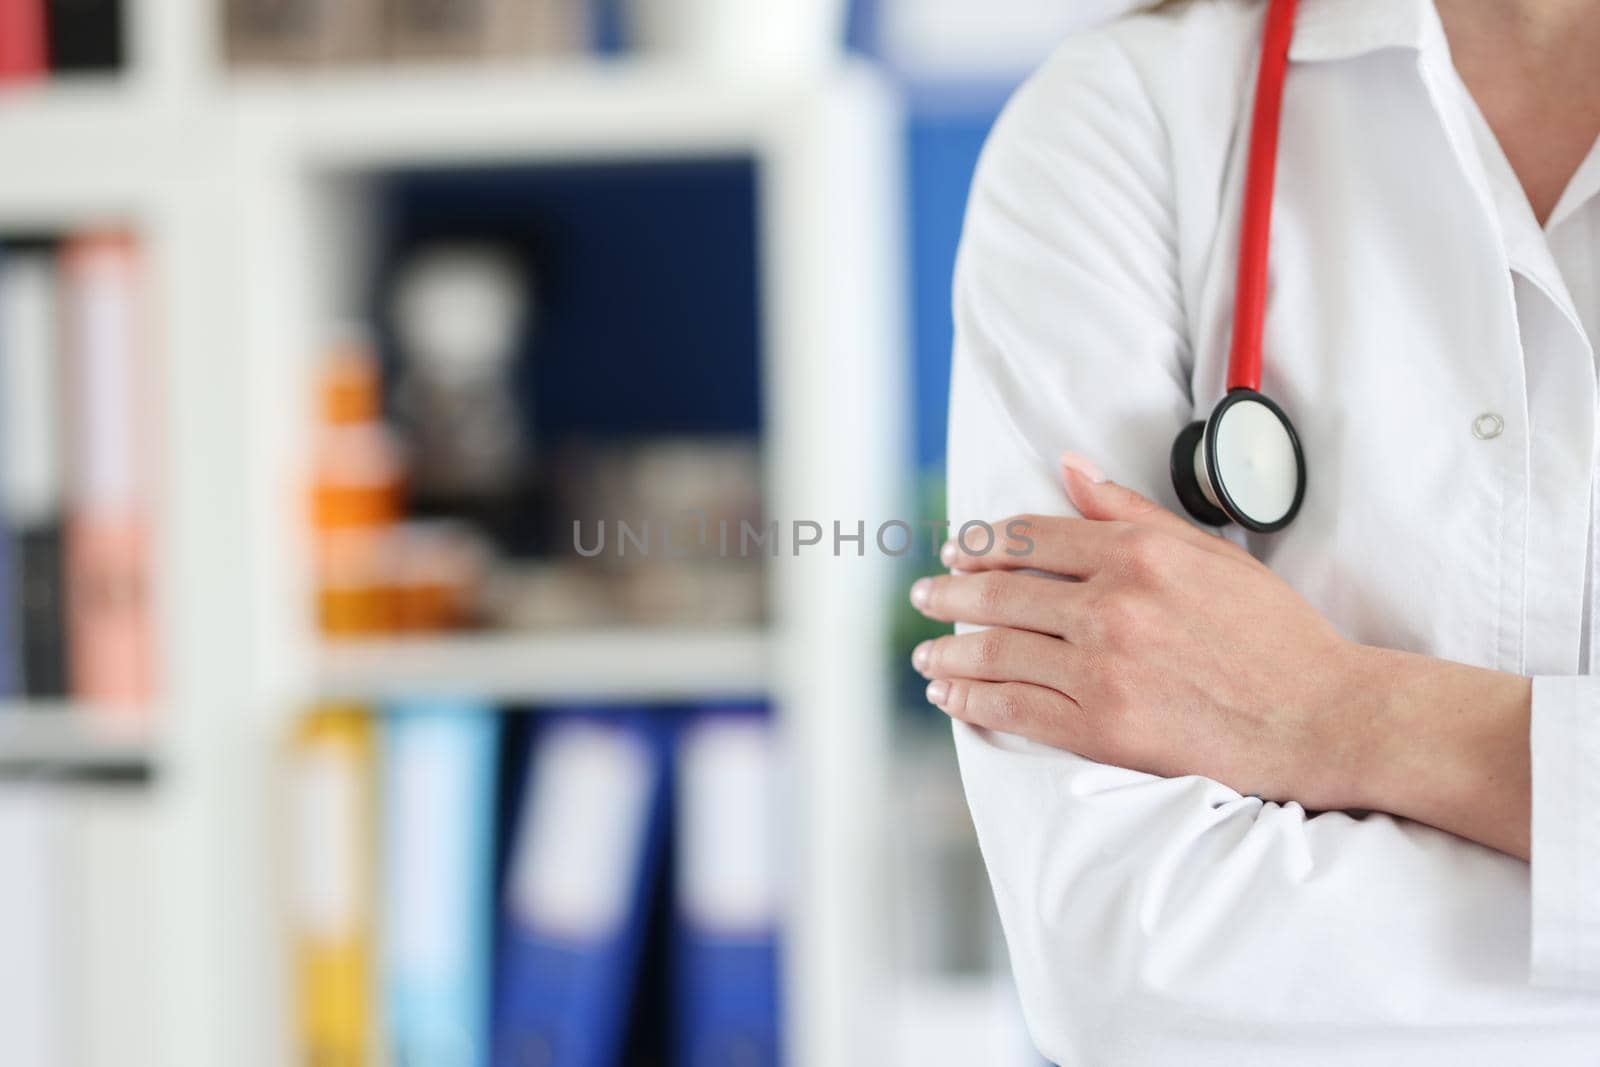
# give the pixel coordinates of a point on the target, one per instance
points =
(1440, 743)
(1364, 711)
(1383, 708)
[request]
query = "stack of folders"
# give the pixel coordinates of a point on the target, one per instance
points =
(75, 394)
(472, 895)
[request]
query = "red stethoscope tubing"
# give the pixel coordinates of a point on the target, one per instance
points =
(1250, 292)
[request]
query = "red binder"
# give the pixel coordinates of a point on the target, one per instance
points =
(23, 54)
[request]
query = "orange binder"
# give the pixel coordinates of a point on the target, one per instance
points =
(110, 639)
(333, 782)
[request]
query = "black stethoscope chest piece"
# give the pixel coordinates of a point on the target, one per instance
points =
(1244, 464)
(1241, 465)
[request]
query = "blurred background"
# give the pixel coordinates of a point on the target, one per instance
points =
(461, 462)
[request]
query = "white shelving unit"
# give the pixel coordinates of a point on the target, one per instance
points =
(652, 665)
(48, 738)
(248, 196)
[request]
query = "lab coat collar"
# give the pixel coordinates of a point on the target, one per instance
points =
(1344, 29)
(1341, 29)
(1528, 251)
(1585, 184)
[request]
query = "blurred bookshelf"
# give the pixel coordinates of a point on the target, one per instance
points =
(756, 169)
(268, 199)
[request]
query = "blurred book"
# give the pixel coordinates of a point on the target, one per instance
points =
(466, 29)
(32, 631)
(119, 937)
(85, 35)
(20, 344)
(43, 37)
(439, 759)
(299, 32)
(35, 926)
(727, 903)
(630, 916)
(24, 56)
(334, 910)
(79, 926)
(75, 480)
(588, 844)
(108, 588)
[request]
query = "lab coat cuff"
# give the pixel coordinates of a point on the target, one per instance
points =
(1565, 749)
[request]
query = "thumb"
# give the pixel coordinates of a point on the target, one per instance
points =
(1097, 497)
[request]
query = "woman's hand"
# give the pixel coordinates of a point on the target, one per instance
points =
(1173, 651)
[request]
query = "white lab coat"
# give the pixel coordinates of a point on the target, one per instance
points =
(1435, 361)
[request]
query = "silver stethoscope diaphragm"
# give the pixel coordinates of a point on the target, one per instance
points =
(1242, 465)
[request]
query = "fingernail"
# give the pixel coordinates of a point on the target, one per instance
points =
(919, 656)
(938, 693)
(921, 590)
(1084, 466)
(947, 554)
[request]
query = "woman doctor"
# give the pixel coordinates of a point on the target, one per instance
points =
(1272, 798)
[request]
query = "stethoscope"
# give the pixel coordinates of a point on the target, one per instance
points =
(1244, 463)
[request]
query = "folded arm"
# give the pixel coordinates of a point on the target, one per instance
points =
(1147, 913)
(1175, 652)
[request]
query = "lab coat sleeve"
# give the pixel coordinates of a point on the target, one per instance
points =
(1143, 915)
(1565, 745)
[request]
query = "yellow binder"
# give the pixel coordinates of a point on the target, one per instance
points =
(333, 907)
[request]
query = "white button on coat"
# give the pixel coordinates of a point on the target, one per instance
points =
(1157, 921)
